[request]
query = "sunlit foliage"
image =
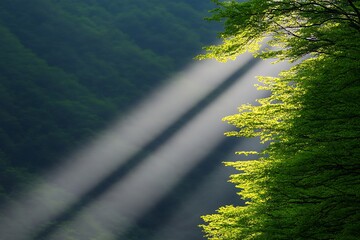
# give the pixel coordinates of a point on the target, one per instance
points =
(305, 184)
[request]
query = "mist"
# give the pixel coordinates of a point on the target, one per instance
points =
(129, 172)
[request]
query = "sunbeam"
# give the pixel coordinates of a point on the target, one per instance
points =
(149, 182)
(134, 164)
(161, 140)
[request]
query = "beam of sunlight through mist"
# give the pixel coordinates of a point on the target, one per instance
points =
(143, 184)
(158, 141)
(146, 184)
(117, 143)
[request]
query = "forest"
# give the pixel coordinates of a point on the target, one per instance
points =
(68, 68)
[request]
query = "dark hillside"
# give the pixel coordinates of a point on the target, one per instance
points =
(68, 67)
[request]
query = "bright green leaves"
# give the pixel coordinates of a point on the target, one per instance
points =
(305, 184)
(297, 27)
(232, 223)
(271, 117)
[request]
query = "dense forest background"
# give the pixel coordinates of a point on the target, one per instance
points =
(67, 68)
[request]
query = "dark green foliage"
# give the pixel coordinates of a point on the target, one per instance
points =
(69, 67)
(42, 104)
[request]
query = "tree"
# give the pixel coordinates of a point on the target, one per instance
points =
(305, 184)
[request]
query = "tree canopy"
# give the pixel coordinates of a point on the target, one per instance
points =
(305, 184)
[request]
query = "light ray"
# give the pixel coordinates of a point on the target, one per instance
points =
(119, 173)
(146, 184)
(209, 194)
(126, 137)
